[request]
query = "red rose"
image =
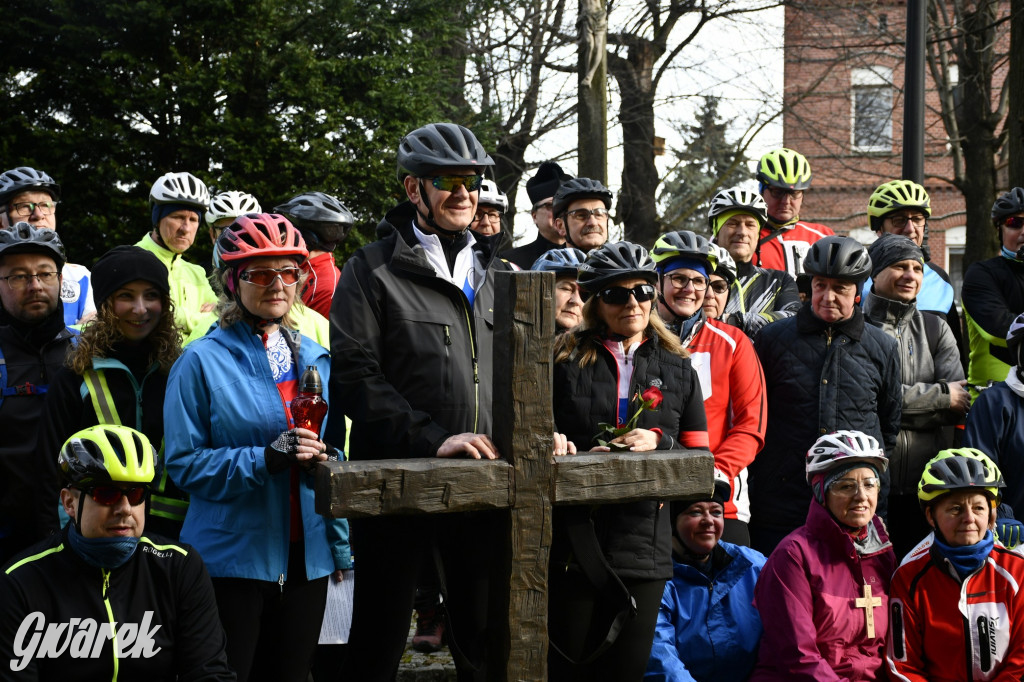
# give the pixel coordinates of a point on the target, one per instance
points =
(652, 396)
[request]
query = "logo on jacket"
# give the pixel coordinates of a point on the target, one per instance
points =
(81, 638)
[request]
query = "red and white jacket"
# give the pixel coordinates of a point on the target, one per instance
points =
(786, 251)
(732, 385)
(323, 280)
(940, 629)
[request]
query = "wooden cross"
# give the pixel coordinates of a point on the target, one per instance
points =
(868, 603)
(527, 482)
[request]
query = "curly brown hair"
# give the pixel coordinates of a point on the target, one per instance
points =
(99, 336)
(585, 339)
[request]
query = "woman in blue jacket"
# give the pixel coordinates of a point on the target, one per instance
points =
(708, 628)
(232, 446)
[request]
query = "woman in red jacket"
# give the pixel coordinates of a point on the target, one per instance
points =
(954, 603)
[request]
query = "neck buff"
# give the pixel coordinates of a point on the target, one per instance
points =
(105, 553)
(966, 560)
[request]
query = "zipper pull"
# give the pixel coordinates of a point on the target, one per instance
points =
(447, 336)
(106, 582)
(280, 582)
(476, 375)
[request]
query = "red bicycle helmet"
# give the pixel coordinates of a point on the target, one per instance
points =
(261, 235)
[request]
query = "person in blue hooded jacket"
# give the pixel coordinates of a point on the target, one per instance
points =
(708, 628)
(232, 445)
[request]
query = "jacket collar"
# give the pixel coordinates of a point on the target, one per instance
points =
(408, 253)
(809, 323)
(881, 309)
(822, 525)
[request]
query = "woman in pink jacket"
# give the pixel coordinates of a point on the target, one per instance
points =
(822, 595)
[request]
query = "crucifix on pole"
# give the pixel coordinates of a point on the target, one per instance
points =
(592, 31)
(527, 482)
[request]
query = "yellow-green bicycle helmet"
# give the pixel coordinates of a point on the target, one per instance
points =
(107, 454)
(958, 469)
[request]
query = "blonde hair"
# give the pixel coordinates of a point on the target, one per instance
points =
(584, 340)
(100, 335)
(228, 309)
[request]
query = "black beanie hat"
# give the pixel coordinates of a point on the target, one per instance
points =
(124, 264)
(892, 248)
(546, 182)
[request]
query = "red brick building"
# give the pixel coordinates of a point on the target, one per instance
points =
(844, 76)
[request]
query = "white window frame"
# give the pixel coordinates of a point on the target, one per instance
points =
(875, 77)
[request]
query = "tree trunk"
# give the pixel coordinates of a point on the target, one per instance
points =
(636, 209)
(592, 29)
(977, 123)
(1015, 117)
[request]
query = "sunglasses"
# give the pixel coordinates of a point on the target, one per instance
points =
(109, 495)
(1014, 222)
(264, 278)
(450, 183)
(620, 295)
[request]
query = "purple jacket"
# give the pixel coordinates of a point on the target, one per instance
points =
(807, 594)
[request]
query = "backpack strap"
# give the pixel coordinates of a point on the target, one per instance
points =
(932, 329)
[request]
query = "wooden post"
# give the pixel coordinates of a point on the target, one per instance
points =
(592, 116)
(527, 482)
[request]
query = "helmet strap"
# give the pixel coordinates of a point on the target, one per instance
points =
(429, 217)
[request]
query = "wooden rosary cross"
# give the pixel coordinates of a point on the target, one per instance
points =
(868, 603)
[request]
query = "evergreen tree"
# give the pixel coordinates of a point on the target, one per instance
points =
(707, 163)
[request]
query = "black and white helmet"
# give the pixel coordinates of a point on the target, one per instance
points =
(838, 258)
(231, 204)
(26, 179)
(1008, 204)
(615, 261)
(726, 268)
(490, 195)
(737, 199)
(440, 145)
(321, 218)
(180, 188)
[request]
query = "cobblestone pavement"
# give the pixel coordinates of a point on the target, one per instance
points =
(417, 667)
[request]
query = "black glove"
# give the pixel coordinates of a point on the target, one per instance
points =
(280, 454)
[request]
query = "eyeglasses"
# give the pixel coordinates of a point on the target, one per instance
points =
(109, 495)
(680, 282)
(19, 282)
(489, 216)
(719, 286)
(900, 221)
(847, 487)
(26, 209)
(620, 295)
(546, 204)
(1014, 222)
(264, 278)
(450, 183)
(583, 214)
(778, 193)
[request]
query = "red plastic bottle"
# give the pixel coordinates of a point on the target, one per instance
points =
(309, 407)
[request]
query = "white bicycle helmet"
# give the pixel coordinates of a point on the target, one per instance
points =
(736, 199)
(490, 195)
(843, 448)
(179, 188)
(231, 204)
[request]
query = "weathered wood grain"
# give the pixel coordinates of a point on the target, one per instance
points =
(630, 476)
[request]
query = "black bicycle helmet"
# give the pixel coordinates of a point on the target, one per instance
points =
(1008, 204)
(25, 179)
(784, 168)
(106, 454)
(439, 145)
(615, 261)
(683, 244)
(562, 262)
(838, 258)
(24, 238)
(322, 219)
(579, 188)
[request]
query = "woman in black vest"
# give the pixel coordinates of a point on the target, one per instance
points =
(620, 369)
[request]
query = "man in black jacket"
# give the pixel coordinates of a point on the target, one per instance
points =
(825, 370)
(411, 327)
(101, 600)
(541, 189)
(33, 345)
